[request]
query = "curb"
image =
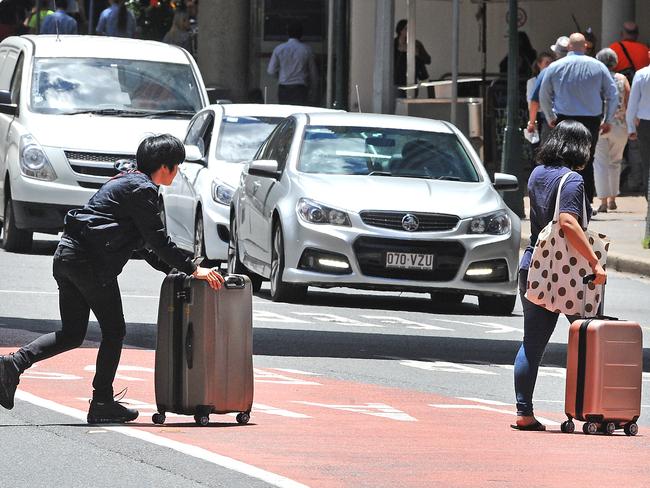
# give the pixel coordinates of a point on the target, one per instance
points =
(618, 262)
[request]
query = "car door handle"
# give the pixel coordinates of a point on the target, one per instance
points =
(256, 186)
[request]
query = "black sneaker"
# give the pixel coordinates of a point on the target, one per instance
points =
(110, 412)
(8, 381)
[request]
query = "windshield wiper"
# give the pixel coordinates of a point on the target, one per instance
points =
(380, 173)
(426, 177)
(110, 111)
(170, 113)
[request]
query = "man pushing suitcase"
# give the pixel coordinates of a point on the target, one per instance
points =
(97, 241)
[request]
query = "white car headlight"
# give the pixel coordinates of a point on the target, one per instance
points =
(222, 193)
(497, 224)
(33, 161)
(315, 213)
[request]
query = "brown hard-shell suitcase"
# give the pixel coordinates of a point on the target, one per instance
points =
(603, 375)
(204, 352)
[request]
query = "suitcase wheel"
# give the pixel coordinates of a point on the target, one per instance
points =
(243, 418)
(609, 428)
(202, 420)
(568, 427)
(631, 428)
(158, 418)
(590, 428)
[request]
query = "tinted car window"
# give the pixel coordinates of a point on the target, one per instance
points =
(278, 148)
(392, 152)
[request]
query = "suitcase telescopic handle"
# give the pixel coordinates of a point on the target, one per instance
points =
(234, 281)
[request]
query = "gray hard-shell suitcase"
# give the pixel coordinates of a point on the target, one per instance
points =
(204, 352)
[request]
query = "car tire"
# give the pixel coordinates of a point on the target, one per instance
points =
(199, 241)
(235, 266)
(13, 238)
(446, 297)
(281, 291)
(497, 305)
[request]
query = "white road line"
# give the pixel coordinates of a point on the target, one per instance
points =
(197, 452)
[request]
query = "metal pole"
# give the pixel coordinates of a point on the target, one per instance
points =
(340, 68)
(91, 17)
(455, 35)
(410, 47)
(382, 81)
(330, 54)
(511, 159)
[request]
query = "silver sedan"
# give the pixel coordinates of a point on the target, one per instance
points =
(375, 202)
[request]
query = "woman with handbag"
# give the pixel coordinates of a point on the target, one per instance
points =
(557, 198)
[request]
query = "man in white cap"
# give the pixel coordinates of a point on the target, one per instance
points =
(560, 49)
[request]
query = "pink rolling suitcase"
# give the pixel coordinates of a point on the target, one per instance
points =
(603, 374)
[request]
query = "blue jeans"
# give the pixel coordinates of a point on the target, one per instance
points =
(539, 325)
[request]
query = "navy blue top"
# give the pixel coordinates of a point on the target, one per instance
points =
(542, 190)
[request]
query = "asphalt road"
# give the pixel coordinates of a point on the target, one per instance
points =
(385, 340)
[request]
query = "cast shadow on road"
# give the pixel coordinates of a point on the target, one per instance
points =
(323, 344)
(139, 425)
(40, 248)
(382, 301)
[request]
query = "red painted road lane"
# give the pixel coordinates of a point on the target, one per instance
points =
(341, 444)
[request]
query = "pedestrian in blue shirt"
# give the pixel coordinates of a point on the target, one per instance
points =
(565, 151)
(117, 20)
(59, 22)
(576, 87)
(293, 63)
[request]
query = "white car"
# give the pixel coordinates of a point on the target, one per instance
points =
(196, 206)
(375, 202)
(70, 107)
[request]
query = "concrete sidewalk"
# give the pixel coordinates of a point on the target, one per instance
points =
(625, 227)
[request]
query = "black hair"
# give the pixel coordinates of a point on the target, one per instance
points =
(294, 29)
(400, 26)
(568, 144)
(157, 151)
(62, 4)
(122, 17)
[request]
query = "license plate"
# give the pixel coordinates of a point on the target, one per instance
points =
(408, 260)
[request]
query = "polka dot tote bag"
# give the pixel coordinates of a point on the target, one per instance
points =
(556, 269)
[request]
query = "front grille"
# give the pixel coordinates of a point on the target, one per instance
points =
(88, 184)
(95, 164)
(371, 256)
(393, 220)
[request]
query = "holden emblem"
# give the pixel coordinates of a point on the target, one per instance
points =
(410, 223)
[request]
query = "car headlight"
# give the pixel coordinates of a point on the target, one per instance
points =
(315, 213)
(497, 224)
(222, 193)
(33, 161)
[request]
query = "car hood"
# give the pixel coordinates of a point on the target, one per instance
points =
(357, 193)
(229, 173)
(97, 133)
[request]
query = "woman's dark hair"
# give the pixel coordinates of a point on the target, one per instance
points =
(122, 17)
(568, 144)
(400, 26)
(538, 59)
(157, 151)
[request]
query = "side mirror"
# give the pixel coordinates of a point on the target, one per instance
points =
(6, 107)
(504, 182)
(266, 168)
(194, 155)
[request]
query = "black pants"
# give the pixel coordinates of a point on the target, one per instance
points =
(79, 293)
(593, 126)
(293, 94)
(643, 132)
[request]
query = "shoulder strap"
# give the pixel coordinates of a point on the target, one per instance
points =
(627, 55)
(556, 214)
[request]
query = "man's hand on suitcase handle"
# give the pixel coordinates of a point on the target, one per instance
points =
(211, 275)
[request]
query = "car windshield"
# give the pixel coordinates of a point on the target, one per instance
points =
(240, 137)
(385, 152)
(113, 87)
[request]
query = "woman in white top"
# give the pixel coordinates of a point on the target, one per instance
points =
(610, 146)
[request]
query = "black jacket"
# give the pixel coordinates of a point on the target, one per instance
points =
(120, 219)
